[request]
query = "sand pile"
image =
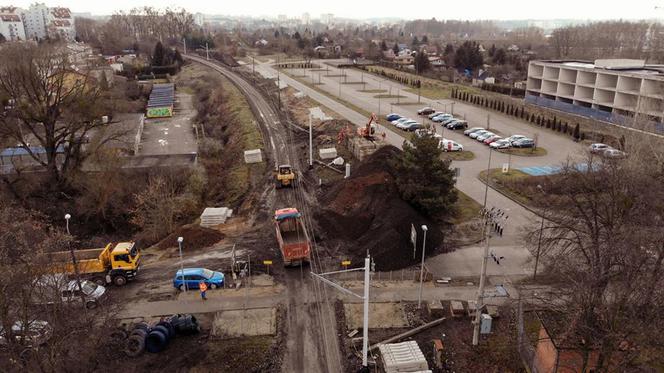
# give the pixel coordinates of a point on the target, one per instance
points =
(366, 212)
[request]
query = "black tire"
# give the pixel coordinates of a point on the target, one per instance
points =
(181, 287)
(155, 341)
(164, 330)
(91, 305)
(119, 280)
(169, 326)
(143, 326)
(139, 332)
(135, 346)
(99, 281)
(213, 286)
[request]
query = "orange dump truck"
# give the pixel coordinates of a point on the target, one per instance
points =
(292, 237)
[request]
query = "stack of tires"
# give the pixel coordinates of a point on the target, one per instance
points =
(156, 338)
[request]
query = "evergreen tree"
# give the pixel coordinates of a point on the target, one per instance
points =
(158, 55)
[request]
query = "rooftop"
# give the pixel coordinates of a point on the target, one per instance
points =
(630, 66)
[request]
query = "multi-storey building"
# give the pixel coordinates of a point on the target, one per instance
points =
(35, 20)
(41, 22)
(11, 24)
(61, 24)
(620, 91)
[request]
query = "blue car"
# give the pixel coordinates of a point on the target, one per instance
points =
(392, 117)
(193, 276)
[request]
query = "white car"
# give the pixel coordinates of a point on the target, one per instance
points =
(501, 144)
(479, 133)
(614, 153)
(599, 148)
(471, 130)
(406, 123)
(514, 138)
(34, 334)
(400, 120)
(450, 146)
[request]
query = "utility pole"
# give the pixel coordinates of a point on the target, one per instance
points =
(278, 85)
(452, 108)
(539, 240)
(367, 279)
(73, 260)
(488, 123)
(184, 284)
(424, 241)
(184, 41)
(480, 292)
(311, 149)
(207, 52)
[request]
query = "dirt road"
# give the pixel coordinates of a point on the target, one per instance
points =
(311, 344)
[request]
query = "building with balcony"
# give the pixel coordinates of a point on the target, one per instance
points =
(621, 91)
(11, 24)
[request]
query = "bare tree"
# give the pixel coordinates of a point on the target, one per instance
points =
(604, 241)
(55, 108)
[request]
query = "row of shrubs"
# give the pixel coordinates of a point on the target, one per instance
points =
(519, 111)
(401, 78)
(504, 89)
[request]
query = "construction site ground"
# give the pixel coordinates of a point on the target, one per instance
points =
(284, 321)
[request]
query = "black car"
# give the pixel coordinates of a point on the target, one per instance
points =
(425, 111)
(458, 125)
(524, 143)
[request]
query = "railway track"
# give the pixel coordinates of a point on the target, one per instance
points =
(311, 343)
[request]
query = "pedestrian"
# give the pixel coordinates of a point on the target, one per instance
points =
(203, 287)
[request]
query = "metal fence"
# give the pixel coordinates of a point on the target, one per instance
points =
(524, 345)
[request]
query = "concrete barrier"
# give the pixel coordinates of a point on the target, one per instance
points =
(253, 156)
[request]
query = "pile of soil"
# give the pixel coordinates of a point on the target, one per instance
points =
(195, 237)
(365, 212)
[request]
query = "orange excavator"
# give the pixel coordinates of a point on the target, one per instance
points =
(367, 132)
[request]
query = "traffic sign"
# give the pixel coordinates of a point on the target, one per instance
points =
(345, 263)
(267, 262)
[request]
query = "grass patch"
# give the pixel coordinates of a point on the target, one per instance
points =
(467, 208)
(525, 152)
(407, 103)
(465, 155)
(434, 93)
(373, 90)
(389, 96)
(506, 183)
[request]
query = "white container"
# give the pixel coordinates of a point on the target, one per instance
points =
(328, 153)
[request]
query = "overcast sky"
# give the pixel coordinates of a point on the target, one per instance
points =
(440, 9)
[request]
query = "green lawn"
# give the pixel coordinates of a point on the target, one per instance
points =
(459, 156)
(525, 152)
(466, 208)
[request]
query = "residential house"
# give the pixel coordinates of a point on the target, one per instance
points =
(389, 54)
(404, 59)
(11, 24)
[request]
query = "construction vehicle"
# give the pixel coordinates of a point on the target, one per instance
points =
(113, 264)
(369, 129)
(285, 176)
(293, 240)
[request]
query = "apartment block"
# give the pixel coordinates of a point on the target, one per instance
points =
(621, 91)
(11, 24)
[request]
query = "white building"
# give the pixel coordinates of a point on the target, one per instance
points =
(614, 90)
(199, 19)
(11, 24)
(306, 19)
(35, 20)
(327, 18)
(41, 21)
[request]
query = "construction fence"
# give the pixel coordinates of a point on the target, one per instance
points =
(524, 345)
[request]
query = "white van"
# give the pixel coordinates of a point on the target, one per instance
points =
(450, 146)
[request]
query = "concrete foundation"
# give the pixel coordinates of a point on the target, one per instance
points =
(253, 156)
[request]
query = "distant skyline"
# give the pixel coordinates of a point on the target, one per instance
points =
(423, 9)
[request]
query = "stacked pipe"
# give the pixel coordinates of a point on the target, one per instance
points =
(155, 338)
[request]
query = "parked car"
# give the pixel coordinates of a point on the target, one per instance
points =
(614, 153)
(447, 121)
(479, 133)
(392, 116)
(514, 138)
(460, 124)
(422, 132)
(435, 114)
(599, 148)
(406, 123)
(400, 120)
(491, 139)
(524, 143)
(441, 118)
(450, 146)
(471, 130)
(58, 288)
(191, 277)
(485, 136)
(501, 144)
(34, 334)
(412, 126)
(425, 111)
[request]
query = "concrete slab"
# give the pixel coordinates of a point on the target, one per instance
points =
(249, 322)
(173, 135)
(383, 315)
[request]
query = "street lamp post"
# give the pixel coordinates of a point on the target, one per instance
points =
(424, 242)
(184, 284)
(73, 260)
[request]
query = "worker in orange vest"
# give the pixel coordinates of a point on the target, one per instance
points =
(203, 287)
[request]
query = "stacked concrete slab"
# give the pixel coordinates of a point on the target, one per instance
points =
(327, 153)
(362, 148)
(213, 216)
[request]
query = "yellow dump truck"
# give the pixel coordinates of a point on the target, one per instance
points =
(113, 264)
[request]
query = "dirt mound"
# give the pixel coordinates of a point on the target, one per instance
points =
(365, 212)
(195, 237)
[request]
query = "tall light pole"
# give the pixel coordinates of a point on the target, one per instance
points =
(184, 284)
(539, 240)
(73, 260)
(424, 242)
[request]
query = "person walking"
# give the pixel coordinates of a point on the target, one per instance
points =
(203, 287)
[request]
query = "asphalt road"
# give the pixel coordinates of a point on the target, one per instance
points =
(510, 244)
